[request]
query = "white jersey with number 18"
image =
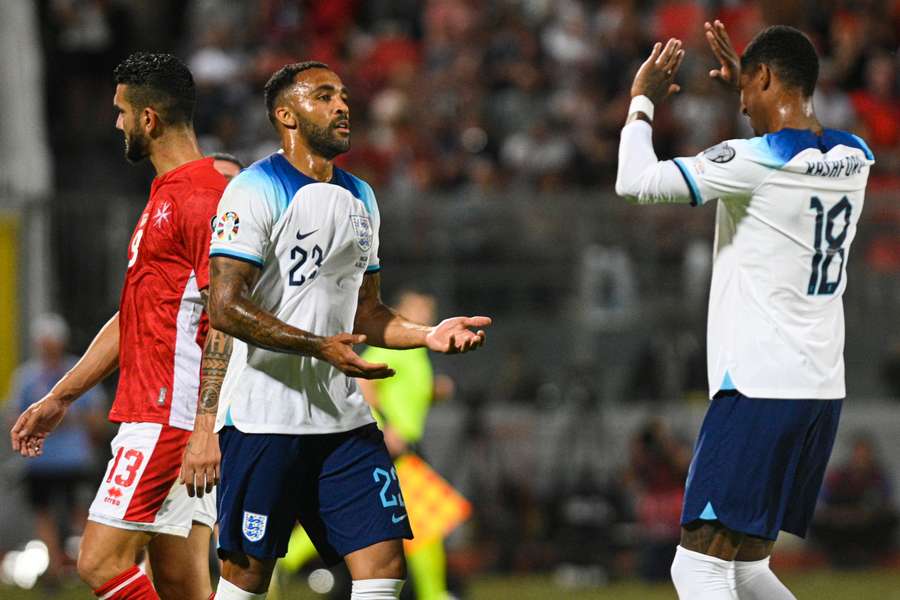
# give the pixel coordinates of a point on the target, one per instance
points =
(313, 242)
(788, 207)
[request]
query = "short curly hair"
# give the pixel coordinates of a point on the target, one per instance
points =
(788, 52)
(161, 81)
(282, 79)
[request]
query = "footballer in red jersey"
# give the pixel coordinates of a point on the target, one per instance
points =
(156, 340)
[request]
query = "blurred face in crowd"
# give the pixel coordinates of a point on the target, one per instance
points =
(863, 456)
(227, 168)
(137, 143)
(50, 348)
(317, 106)
(418, 308)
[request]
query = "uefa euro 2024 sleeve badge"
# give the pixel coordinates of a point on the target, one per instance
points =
(254, 526)
(227, 226)
(363, 228)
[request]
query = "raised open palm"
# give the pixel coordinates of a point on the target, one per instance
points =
(729, 71)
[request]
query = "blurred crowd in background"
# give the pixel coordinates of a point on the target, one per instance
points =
(456, 94)
(488, 128)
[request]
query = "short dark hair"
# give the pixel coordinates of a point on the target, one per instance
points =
(282, 79)
(161, 81)
(788, 52)
(227, 158)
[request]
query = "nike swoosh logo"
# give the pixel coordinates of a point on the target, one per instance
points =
(301, 236)
(397, 519)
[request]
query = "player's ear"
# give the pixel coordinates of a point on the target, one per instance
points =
(149, 120)
(284, 116)
(765, 76)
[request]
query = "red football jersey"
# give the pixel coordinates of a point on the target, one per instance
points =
(162, 324)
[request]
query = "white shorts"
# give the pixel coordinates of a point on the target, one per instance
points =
(140, 490)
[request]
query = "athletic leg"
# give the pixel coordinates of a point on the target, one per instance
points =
(703, 569)
(106, 562)
(360, 514)
(181, 565)
(378, 571)
(244, 577)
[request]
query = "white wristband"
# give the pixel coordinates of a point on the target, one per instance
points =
(641, 104)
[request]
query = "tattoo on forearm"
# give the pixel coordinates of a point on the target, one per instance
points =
(213, 366)
(248, 322)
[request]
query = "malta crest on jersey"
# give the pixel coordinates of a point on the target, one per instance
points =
(254, 526)
(363, 228)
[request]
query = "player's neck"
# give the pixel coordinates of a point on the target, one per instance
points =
(173, 149)
(306, 161)
(795, 112)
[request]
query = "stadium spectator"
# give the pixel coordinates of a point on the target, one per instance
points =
(878, 108)
(890, 370)
(657, 466)
(857, 516)
(58, 483)
(430, 70)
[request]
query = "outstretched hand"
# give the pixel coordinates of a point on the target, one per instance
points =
(35, 424)
(729, 71)
(453, 336)
(338, 350)
(654, 78)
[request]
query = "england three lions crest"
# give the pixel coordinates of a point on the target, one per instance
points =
(362, 225)
(254, 526)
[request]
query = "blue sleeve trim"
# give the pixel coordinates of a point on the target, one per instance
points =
(366, 194)
(253, 260)
(865, 147)
(373, 269)
(696, 198)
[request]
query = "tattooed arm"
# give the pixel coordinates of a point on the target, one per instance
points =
(233, 311)
(200, 464)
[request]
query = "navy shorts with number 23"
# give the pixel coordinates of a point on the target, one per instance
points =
(341, 487)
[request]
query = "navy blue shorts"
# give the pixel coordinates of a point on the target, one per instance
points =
(341, 487)
(758, 463)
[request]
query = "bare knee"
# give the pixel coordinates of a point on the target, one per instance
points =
(754, 548)
(96, 566)
(107, 552)
(248, 573)
(383, 560)
(711, 538)
(393, 567)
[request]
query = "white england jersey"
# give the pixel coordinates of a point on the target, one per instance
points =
(788, 207)
(313, 242)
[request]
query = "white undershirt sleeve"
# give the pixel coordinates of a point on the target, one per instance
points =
(643, 179)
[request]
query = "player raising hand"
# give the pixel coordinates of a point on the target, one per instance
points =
(787, 205)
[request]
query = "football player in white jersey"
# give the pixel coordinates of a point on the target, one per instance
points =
(788, 204)
(295, 279)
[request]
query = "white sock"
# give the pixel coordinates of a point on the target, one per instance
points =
(700, 577)
(376, 589)
(754, 580)
(228, 591)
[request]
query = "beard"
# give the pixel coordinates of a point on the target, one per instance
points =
(324, 141)
(137, 147)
